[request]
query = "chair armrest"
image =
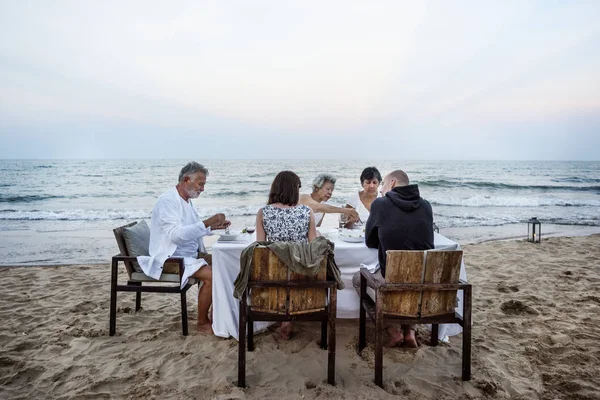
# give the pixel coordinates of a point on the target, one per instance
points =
(293, 284)
(120, 257)
(372, 282)
(177, 260)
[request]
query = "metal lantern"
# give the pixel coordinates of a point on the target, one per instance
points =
(436, 229)
(534, 230)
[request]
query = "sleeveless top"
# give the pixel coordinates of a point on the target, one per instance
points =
(286, 224)
(318, 218)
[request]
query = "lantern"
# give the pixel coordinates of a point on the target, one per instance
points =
(534, 230)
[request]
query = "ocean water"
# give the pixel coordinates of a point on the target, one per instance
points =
(62, 211)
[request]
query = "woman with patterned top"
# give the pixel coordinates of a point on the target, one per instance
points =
(283, 220)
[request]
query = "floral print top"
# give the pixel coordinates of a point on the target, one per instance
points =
(286, 224)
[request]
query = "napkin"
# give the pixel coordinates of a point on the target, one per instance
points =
(371, 267)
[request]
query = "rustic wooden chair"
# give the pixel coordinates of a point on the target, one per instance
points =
(278, 294)
(137, 278)
(419, 288)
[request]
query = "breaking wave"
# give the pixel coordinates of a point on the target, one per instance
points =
(506, 201)
(111, 214)
(495, 185)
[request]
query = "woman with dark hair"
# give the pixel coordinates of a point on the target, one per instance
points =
(370, 179)
(282, 219)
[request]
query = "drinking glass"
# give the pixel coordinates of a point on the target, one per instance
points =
(343, 220)
(250, 226)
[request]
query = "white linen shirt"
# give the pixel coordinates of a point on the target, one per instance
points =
(170, 231)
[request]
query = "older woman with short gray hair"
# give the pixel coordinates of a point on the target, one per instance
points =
(322, 190)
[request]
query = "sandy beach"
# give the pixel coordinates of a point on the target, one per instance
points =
(536, 335)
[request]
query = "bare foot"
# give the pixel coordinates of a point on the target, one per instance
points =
(395, 337)
(285, 330)
(409, 338)
(205, 328)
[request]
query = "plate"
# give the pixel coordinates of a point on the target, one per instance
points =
(352, 235)
(223, 232)
(229, 238)
(352, 239)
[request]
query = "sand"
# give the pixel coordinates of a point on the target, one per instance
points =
(536, 335)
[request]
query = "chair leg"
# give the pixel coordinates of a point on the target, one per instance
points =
(466, 361)
(184, 316)
(250, 331)
(324, 334)
(362, 329)
(435, 330)
(138, 301)
(242, 342)
(379, 341)
(331, 344)
(138, 296)
(113, 299)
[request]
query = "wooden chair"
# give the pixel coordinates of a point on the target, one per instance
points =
(137, 278)
(277, 294)
(419, 288)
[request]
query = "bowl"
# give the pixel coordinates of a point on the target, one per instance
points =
(224, 235)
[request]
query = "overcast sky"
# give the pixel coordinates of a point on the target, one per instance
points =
(300, 79)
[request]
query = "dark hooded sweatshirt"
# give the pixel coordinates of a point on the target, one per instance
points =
(401, 220)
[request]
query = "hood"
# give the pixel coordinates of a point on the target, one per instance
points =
(406, 198)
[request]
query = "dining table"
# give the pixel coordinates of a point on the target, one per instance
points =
(349, 257)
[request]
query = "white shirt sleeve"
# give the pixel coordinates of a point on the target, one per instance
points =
(170, 224)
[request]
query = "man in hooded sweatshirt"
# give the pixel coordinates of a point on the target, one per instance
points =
(399, 220)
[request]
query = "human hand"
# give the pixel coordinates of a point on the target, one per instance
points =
(351, 215)
(225, 224)
(217, 221)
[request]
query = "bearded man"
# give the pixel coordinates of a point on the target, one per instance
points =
(177, 231)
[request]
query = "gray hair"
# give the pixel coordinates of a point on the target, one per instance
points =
(322, 179)
(191, 168)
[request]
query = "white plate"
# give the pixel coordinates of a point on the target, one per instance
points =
(352, 239)
(223, 232)
(352, 235)
(229, 238)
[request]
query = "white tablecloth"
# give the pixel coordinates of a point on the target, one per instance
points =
(348, 256)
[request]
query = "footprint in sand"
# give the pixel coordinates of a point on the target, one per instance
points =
(85, 306)
(310, 385)
(507, 289)
(516, 307)
(590, 298)
(489, 388)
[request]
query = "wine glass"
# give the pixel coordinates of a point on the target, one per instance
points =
(250, 227)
